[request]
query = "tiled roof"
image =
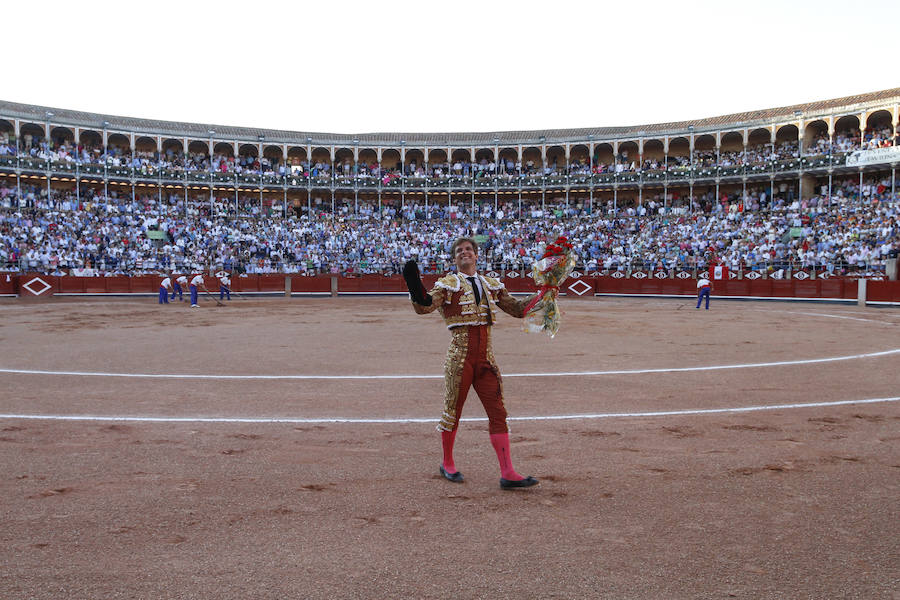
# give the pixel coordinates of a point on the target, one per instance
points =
(153, 127)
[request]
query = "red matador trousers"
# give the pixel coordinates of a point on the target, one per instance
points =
(470, 363)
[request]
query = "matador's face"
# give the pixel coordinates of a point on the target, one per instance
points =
(465, 258)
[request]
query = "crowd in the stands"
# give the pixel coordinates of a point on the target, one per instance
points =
(852, 229)
(173, 160)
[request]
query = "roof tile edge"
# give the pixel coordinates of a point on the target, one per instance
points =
(62, 116)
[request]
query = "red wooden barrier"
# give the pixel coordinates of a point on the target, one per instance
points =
(9, 283)
(883, 291)
(148, 284)
(270, 282)
(519, 284)
(36, 285)
(310, 285)
(831, 288)
(575, 287)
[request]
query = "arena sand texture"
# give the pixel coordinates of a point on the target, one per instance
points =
(794, 502)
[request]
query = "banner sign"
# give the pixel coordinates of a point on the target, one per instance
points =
(871, 157)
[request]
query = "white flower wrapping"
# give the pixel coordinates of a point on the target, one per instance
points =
(542, 313)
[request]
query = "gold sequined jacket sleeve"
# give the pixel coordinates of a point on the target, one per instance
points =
(437, 299)
(510, 305)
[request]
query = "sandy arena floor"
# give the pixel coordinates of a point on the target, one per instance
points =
(657, 482)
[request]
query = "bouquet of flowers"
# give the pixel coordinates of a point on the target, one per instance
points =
(542, 312)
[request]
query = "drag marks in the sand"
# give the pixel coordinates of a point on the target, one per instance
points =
(51, 492)
(797, 465)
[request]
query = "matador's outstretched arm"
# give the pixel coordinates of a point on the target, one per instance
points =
(414, 284)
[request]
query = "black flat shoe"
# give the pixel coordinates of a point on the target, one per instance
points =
(511, 484)
(454, 477)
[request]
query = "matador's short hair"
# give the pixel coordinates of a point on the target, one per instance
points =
(463, 240)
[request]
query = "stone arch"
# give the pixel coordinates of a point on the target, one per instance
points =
(787, 133)
(556, 158)
(847, 125)
(787, 142)
(321, 155)
(62, 135)
(679, 147)
(415, 160)
(508, 156)
(532, 155)
(732, 141)
(368, 157)
(343, 161)
(119, 143)
(486, 154)
(787, 138)
(759, 137)
(705, 143)
(224, 149)
(878, 122)
(91, 139)
(248, 150)
(603, 154)
(172, 147)
(145, 144)
(629, 153)
(580, 153)
(879, 118)
(390, 158)
(654, 151)
(815, 130)
(462, 155)
(31, 134)
(7, 128)
(296, 155)
(273, 153)
(437, 156)
(275, 157)
(198, 147)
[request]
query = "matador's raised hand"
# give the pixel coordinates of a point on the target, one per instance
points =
(414, 284)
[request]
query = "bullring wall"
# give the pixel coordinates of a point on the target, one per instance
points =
(36, 286)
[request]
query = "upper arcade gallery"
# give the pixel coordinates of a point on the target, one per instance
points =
(798, 124)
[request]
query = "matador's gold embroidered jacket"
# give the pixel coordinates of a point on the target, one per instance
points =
(453, 296)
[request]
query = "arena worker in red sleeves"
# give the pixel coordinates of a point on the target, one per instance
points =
(466, 301)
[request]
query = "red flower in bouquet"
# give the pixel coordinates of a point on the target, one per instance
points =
(542, 312)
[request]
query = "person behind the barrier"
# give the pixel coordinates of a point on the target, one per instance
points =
(178, 287)
(224, 284)
(196, 282)
(165, 286)
(466, 301)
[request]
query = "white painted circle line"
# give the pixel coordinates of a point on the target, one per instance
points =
(809, 361)
(301, 421)
(809, 314)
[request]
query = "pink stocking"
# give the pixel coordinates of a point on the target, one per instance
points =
(447, 439)
(500, 442)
